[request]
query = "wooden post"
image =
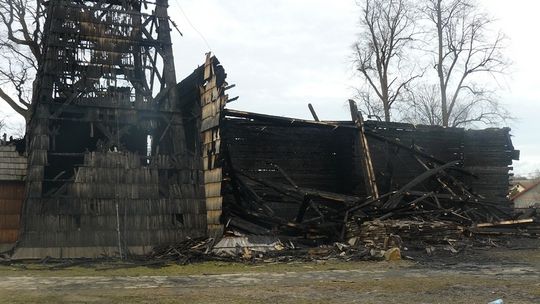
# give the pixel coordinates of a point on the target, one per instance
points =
(365, 155)
(313, 113)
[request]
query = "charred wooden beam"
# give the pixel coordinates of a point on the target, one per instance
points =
(413, 150)
(395, 199)
(313, 113)
(367, 164)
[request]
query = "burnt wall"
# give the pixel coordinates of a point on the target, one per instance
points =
(486, 157)
(325, 156)
(312, 157)
(114, 163)
(396, 166)
(280, 153)
(202, 99)
(488, 154)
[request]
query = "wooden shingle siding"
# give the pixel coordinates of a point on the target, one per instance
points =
(88, 215)
(111, 154)
(13, 166)
(213, 101)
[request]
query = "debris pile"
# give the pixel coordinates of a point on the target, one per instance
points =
(394, 233)
(300, 180)
(528, 227)
(186, 252)
(323, 215)
(257, 249)
(373, 240)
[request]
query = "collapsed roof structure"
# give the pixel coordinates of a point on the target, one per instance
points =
(121, 158)
(308, 177)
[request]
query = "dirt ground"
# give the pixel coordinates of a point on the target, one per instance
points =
(476, 276)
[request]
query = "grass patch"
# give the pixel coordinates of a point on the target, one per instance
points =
(206, 268)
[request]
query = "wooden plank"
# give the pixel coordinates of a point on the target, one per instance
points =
(214, 203)
(210, 122)
(213, 176)
(212, 189)
(367, 164)
(313, 113)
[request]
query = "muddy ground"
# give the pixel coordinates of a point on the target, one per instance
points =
(473, 276)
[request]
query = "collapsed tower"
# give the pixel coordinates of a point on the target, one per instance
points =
(113, 166)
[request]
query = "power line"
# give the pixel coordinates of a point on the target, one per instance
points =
(193, 26)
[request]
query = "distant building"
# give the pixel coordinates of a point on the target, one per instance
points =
(519, 185)
(529, 197)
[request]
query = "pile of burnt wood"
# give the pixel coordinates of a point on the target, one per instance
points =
(262, 198)
(330, 216)
(319, 216)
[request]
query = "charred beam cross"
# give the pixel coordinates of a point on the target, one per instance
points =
(365, 155)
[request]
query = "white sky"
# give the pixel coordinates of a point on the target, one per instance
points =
(282, 54)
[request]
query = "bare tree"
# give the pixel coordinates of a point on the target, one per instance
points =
(21, 25)
(369, 103)
(423, 106)
(379, 55)
(467, 51)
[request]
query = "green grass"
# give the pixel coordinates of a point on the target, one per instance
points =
(206, 268)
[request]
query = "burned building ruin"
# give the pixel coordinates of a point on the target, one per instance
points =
(122, 158)
(307, 178)
(112, 165)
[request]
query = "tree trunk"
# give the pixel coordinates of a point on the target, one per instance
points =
(385, 95)
(440, 71)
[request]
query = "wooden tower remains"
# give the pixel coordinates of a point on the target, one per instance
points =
(111, 167)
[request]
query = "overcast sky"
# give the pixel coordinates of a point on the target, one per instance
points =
(282, 54)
